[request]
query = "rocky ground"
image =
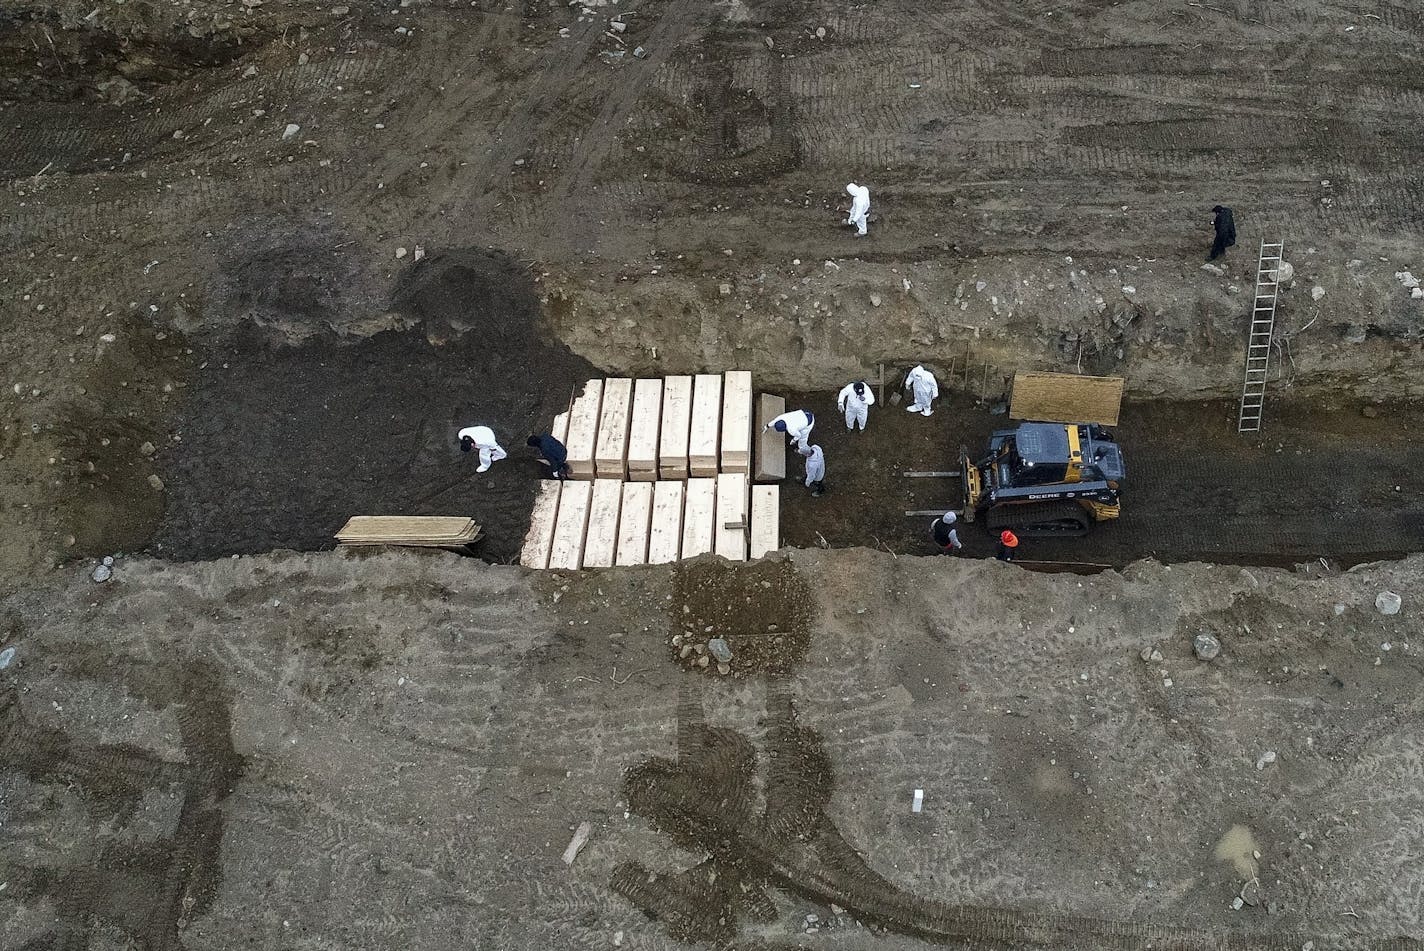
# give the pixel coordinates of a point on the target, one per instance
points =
(310, 751)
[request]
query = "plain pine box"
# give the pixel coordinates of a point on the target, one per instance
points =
(665, 535)
(676, 427)
(635, 519)
(732, 501)
(698, 516)
(702, 455)
(771, 445)
(539, 542)
(571, 525)
(643, 431)
(610, 454)
(600, 543)
(583, 429)
(737, 421)
(766, 520)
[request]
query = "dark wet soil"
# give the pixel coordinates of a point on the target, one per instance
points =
(1320, 481)
(281, 444)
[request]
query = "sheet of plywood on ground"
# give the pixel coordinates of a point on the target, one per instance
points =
(571, 524)
(702, 456)
(583, 429)
(539, 540)
(643, 430)
(611, 449)
(770, 444)
(698, 517)
(665, 530)
(731, 524)
(1066, 398)
(635, 518)
(737, 421)
(600, 542)
(766, 520)
(433, 530)
(676, 427)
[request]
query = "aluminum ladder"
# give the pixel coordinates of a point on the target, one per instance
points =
(1258, 345)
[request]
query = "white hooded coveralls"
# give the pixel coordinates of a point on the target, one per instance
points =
(922, 384)
(859, 207)
(489, 447)
(798, 425)
(815, 466)
(856, 407)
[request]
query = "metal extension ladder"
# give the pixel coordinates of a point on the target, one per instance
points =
(1258, 345)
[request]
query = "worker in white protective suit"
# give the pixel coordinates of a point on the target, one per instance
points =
(482, 438)
(855, 401)
(797, 424)
(923, 386)
(859, 207)
(815, 469)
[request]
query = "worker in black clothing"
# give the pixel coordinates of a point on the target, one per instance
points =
(555, 456)
(1225, 223)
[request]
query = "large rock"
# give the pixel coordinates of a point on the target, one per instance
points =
(1206, 647)
(1387, 602)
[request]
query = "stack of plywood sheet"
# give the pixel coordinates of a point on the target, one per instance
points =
(644, 430)
(412, 531)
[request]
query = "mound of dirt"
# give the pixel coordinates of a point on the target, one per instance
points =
(281, 444)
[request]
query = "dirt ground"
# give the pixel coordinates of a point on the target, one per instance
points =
(259, 261)
(1320, 481)
(312, 751)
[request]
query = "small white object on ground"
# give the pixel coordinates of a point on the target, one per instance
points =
(7, 655)
(919, 801)
(291, 130)
(1317, 292)
(1267, 758)
(1387, 602)
(576, 844)
(101, 573)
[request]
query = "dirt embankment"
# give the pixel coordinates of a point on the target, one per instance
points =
(301, 749)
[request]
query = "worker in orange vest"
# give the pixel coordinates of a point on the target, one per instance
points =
(1008, 546)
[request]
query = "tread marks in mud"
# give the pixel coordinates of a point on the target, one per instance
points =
(148, 889)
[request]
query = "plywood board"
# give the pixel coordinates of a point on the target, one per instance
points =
(539, 540)
(643, 429)
(676, 427)
(665, 533)
(736, 446)
(1066, 398)
(583, 429)
(732, 502)
(600, 542)
(635, 519)
(571, 524)
(698, 514)
(771, 445)
(433, 530)
(702, 455)
(610, 455)
(766, 520)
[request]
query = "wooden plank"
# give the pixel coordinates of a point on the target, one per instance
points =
(771, 445)
(407, 529)
(732, 503)
(635, 519)
(665, 533)
(539, 540)
(583, 429)
(702, 456)
(737, 421)
(676, 427)
(766, 520)
(610, 455)
(698, 514)
(600, 542)
(643, 430)
(1066, 398)
(572, 523)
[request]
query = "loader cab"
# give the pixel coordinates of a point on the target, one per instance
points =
(1055, 453)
